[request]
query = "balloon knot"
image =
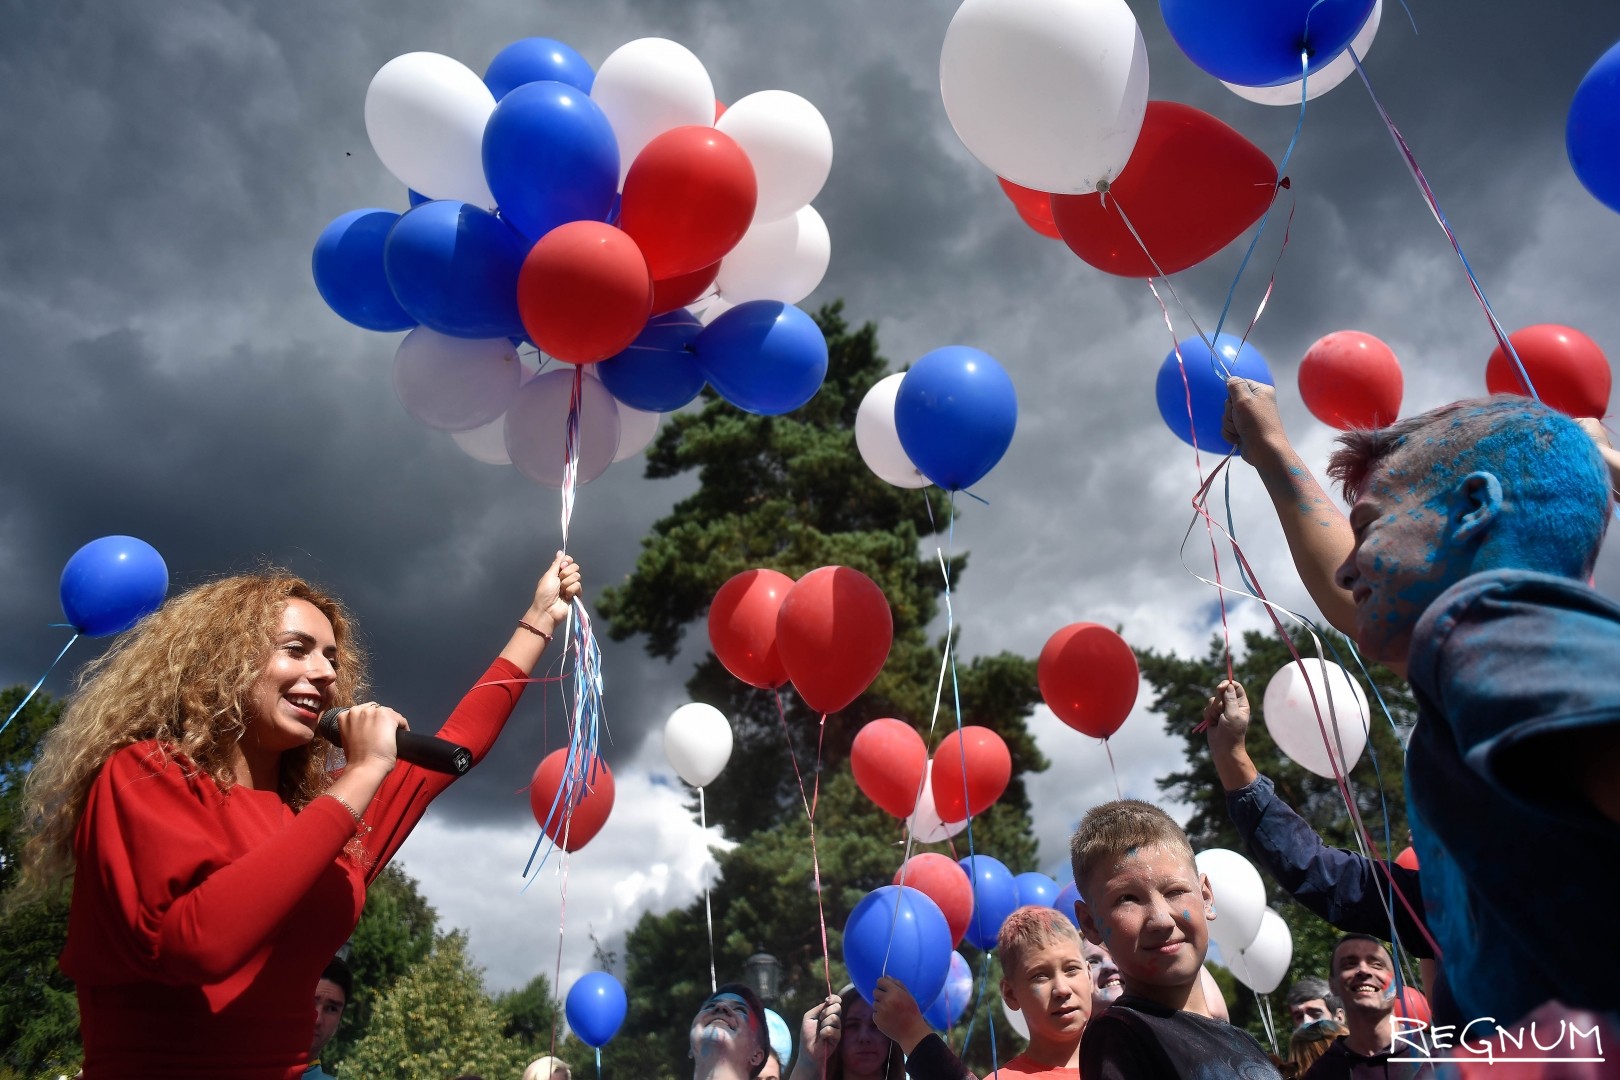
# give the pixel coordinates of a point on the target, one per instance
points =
(1102, 187)
(1285, 184)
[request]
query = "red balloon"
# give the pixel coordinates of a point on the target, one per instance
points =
(1407, 858)
(1411, 1003)
(677, 292)
(584, 292)
(888, 759)
(959, 794)
(834, 633)
(939, 878)
(1569, 371)
(688, 198)
(571, 821)
(1191, 186)
(1088, 677)
(1351, 380)
(1035, 207)
(742, 626)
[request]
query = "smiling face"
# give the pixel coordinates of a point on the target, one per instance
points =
(297, 682)
(863, 1049)
(1052, 988)
(1106, 984)
(1150, 909)
(726, 1028)
(1360, 973)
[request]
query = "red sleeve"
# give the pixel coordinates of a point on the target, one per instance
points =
(164, 895)
(405, 795)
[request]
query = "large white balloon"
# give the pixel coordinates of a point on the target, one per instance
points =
(636, 430)
(924, 821)
(425, 116)
(1263, 964)
(1047, 93)
(1015, 1020)
(1320, 83)
(537, 427)
(455, 384)
(877, 439)
(486, 444)
(1291, 718)
(648, 86)
(777, 260)
(1240, 897)
(697, 741)
(789, 144)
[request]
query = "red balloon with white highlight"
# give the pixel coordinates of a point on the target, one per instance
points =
(1567, 369)
(1351, 380)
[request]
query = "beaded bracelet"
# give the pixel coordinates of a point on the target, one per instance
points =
(535, 630)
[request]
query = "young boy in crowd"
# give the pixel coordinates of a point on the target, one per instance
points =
(1044, 977)
(1145, 901)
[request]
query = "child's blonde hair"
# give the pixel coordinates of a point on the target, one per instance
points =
(1115, 829)
(1028, 929)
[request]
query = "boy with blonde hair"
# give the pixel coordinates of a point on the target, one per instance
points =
(1143, 899)
(1044, 977)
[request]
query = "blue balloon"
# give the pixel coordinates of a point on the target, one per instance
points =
(1036, 889)
(455, 268)
(112, 583)
(595, 1007)
(1592, 133)
(904, 925)
(764, 357)
(1258, 42)
(954, 998)
(550, 157)
(1065, 902)
(995, 896)
(659, 371)
(416, 198)
(955, 414)
(348, 269)
(1205, 386)
(536, 59)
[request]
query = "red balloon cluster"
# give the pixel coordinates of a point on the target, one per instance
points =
(1567, 369)
(943, 881)
(829, 632)
(1191, 186)
(571, 819)
(888, 759)
(971, 770)
(1350, 380)
(1088, 677)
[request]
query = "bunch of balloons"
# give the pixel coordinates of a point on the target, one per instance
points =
(947, 420)
(1255, 943)
(583, 211)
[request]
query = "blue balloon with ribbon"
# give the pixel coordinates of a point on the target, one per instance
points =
(1035, 888)
(1259, 42)
(550, 157)
(1193, 407)
(1065, 900)
(955, 414)
(112, 583)
(995, 896)
(954, 997)
(455, 268)
(903, 927)
(537, 59)
(763, 356)
(659, 371)
(1592, 133)
(595, 1008)
(349, 275)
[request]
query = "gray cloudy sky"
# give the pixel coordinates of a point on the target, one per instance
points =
(171, 373)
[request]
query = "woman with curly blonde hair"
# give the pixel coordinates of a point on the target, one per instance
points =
(216, 865)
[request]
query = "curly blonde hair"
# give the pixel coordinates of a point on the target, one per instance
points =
(183, 676)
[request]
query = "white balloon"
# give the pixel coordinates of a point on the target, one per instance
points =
(1047, 93)
(789, 144)
(1015, 1020)
(877, 439)
(486, 444)
(648, 86)
(924, 822)
(710, 308)
(455, 384)
(1240, 897)
(537, 427)
(697, 741)
(777, 260)
(1263, 964)
(1291, 718)
(1334, 73)
(636, 430)
(425, 116)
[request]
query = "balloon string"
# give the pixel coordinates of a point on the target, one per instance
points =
(1265, 1017)
(708, 911)
(1113, 769)
(598, 1063)
(562, 921)
(810, 817)
(1161, 275)
(35, 689)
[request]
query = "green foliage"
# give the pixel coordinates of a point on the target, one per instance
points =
(791, 493)
(529, 1016)
(19, 746)
(1182, 687)
(436, 1022)
(396, 931)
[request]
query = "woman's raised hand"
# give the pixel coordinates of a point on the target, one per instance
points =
(558, 587)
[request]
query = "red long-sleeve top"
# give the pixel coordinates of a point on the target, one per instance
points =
(202, 919)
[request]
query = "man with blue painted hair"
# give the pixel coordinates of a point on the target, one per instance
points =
(1475, 527)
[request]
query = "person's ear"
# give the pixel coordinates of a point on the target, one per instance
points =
(1478, 505)
(1209, 896)
(1088, 925)
(1009, 996)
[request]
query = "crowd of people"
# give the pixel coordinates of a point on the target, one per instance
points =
(218, 864)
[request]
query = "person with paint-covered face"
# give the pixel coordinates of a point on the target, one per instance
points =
(728, 1039)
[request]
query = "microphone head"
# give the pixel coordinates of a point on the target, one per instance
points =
(327, 726)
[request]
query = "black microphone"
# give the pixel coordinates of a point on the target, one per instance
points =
(440, 755)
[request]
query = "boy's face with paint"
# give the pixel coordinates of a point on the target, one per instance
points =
(725, 1028)
(1150, 910)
